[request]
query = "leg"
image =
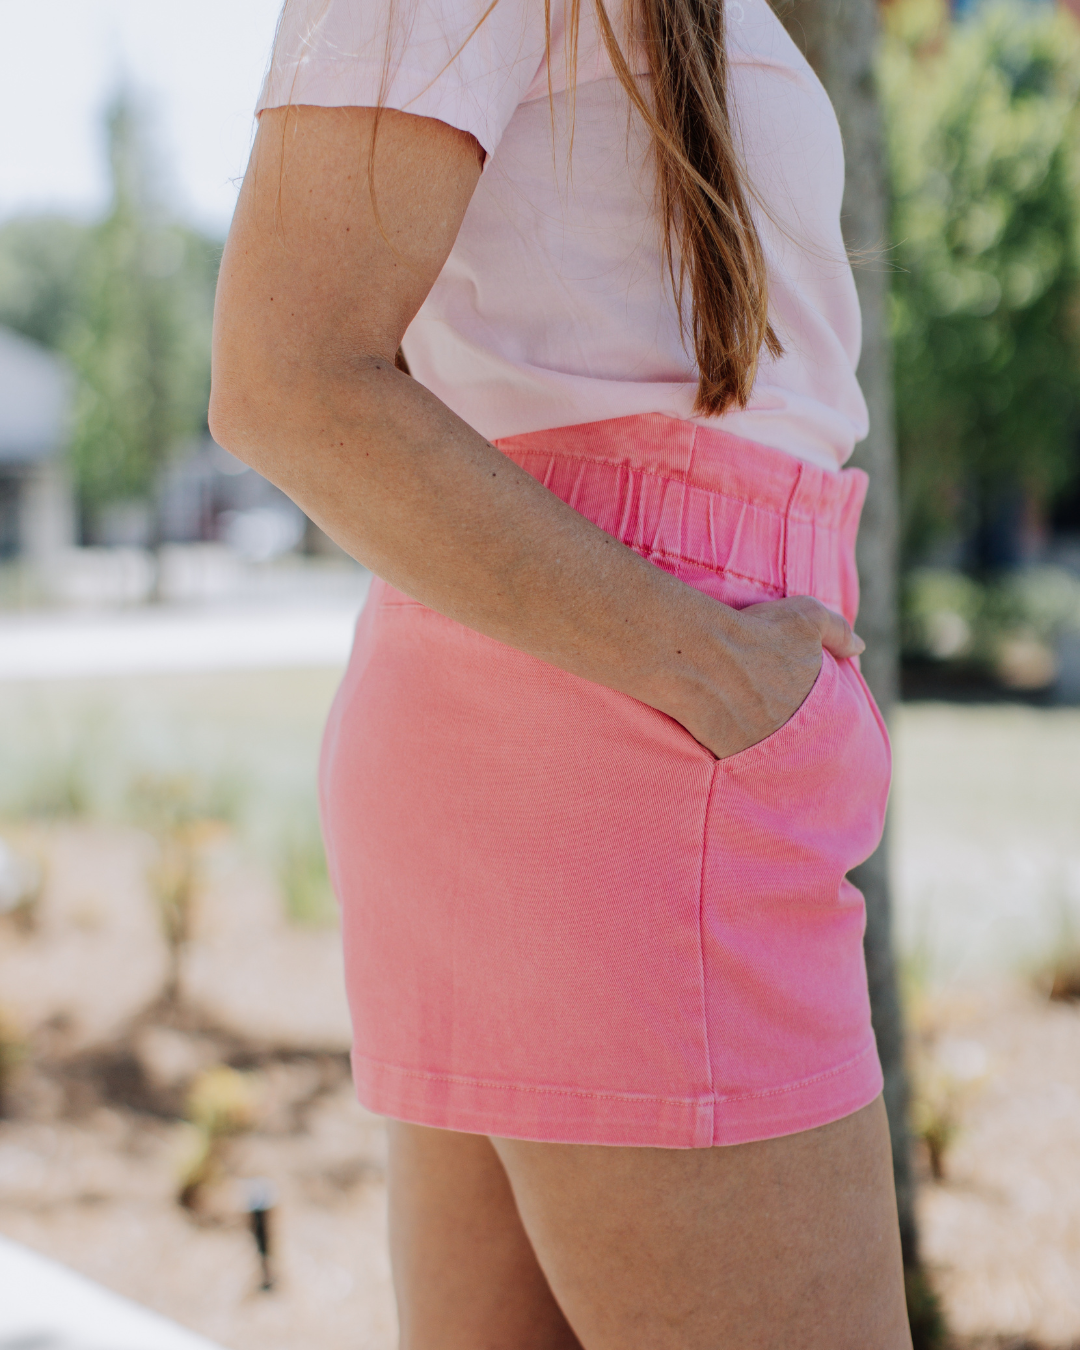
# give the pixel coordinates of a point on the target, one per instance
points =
(787, 1244)
(465, 1275)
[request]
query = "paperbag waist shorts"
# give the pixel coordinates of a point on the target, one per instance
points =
(563, 918)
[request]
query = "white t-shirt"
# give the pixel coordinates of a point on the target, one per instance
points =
(554, 307)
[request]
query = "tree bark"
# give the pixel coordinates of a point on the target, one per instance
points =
(839, 38)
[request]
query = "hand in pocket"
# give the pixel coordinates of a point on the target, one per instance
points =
(767, 661)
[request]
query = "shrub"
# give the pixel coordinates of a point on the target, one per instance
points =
(983, 121)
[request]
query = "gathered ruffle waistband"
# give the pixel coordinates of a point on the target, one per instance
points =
(726, 515)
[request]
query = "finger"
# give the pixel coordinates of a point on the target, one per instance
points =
(837, 636)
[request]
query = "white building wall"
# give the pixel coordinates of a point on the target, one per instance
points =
(46, 512)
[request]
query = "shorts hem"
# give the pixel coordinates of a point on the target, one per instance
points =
(579, 1116)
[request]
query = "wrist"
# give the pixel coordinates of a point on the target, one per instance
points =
(698, 660)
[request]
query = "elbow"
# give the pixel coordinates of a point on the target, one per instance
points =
(241, 417)
(264, 402)
(220, 418)
(228, 424)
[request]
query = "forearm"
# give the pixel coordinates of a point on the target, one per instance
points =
(415, 494)
(315, 290)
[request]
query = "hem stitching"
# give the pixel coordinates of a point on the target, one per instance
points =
(714, 1098)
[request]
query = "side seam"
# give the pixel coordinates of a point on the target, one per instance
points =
(706, 1125)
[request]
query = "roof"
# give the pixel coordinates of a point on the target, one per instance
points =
(35, 400)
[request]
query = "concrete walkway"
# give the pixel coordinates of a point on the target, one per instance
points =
(44, 1306)
(163, 640)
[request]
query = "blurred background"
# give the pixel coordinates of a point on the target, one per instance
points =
(173, 1037)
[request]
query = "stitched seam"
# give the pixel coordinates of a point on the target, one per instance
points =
(620, 1096)
(531, 1088)
(701, 927)
(726, 571)
(675, 477)
(712, 567)
(802, 1082)
(787, 526)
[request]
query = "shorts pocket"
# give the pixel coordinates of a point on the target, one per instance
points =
(782, 927)
(798, 725)
(824, 775)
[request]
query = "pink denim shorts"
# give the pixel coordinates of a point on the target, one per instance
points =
(563, 919)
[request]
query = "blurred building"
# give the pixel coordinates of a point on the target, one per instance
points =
(207, 495)
(37, 515)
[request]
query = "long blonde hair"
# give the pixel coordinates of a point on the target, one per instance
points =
(702, 197)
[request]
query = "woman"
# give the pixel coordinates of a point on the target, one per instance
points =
(602, 756)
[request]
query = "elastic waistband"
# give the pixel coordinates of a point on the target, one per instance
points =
(726, 515)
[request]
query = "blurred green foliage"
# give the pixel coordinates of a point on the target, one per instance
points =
(41, 262)
(984, 139)
(948, 614)
(1007, 625)
(304, 879)
(129, 301)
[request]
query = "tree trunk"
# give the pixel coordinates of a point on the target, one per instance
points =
(839, 39)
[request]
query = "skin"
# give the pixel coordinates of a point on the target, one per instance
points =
(786, 1243)
(499, 1243)
(313, 300)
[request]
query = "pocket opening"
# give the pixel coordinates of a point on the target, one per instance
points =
(796, 724)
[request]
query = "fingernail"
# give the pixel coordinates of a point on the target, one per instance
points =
(860, 645)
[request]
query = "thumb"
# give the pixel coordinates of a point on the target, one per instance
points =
(837, 636)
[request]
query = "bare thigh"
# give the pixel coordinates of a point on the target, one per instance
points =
(788, 1243)
(465, 1274)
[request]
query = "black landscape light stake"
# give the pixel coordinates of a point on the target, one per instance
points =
(261, 1198)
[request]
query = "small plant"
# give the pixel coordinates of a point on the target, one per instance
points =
(12, 1053)
(934, 1121)
(21, 881)
(1059, 977)
(945, 1073)
(182, 815)
(305, 882)
(1065, 981)
(1023, 615)
(167, 802)
(222, 1103)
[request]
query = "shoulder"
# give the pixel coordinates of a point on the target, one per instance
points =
(464, 62)
(461, 32)
(776, 97)
(756, 37)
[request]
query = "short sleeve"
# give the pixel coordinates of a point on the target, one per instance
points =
(466, 62)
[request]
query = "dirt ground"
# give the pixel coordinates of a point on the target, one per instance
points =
(100, 1133)
(151, 1059)
(1001, 1230)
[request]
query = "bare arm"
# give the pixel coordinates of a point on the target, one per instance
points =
(313, 300)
